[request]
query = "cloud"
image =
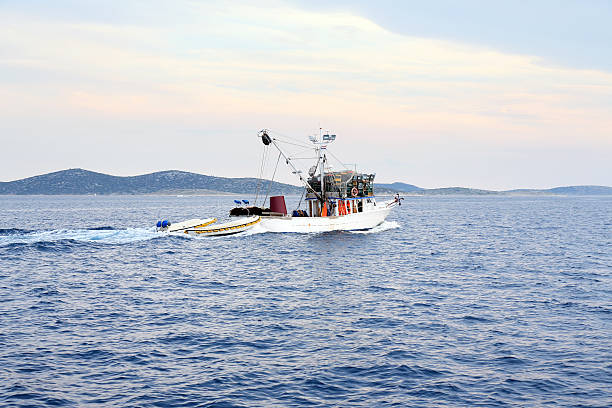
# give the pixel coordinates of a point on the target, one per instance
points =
(562, 32)
(254, 66)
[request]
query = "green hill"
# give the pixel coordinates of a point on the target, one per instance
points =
(79, 181)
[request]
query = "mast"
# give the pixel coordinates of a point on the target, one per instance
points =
(266, 139)
(322, 142)
(321, 147)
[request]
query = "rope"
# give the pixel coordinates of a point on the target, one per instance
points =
(289, 137)
(338, 160)
(261, 168)
(270, 183)
(300, 203)
(291, 143)
(303, 151)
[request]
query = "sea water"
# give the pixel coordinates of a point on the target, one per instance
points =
(453, 301)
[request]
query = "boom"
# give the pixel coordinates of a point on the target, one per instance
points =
(266, 139)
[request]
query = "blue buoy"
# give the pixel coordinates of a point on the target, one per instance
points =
(164, 223)
(245, 201)
(158, 224)
(237, 202)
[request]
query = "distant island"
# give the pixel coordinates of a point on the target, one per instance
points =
(564, 191)
(79, 181)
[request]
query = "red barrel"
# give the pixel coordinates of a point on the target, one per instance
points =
(277, 204)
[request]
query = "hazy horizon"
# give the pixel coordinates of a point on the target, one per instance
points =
(297, 184)
(492, 96)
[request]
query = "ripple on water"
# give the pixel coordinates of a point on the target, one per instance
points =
(453, 302)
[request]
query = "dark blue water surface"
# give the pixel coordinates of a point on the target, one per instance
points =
(469, 301)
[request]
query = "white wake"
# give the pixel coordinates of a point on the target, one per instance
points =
(385, 226)
(110, 236)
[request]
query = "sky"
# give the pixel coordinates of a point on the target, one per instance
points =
(496, 95)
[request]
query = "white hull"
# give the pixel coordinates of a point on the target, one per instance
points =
(351, 222)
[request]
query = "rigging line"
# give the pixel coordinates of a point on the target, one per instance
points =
(300, 203)
(292, 143)
(300, 156)
(263, 172)
(316, 166)
(318, 161)
(258, 178)
(270, 183)
(339, 161)
(259, 181)
(265, 168)
(260, 175)
(303, 151)
(286, 136)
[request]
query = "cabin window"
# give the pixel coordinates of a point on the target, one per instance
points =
(359, 205)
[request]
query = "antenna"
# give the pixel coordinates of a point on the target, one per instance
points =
(329, 138)
(323, 139)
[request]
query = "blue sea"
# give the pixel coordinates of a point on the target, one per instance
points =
(453, 301)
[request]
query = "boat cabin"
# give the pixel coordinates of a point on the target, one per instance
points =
(339, 206)
(344, 192)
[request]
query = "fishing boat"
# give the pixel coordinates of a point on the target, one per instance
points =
(333, 199)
